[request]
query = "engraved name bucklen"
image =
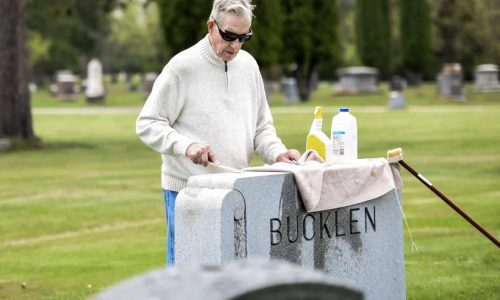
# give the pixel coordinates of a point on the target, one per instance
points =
(325, 224)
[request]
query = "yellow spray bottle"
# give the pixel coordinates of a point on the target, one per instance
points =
(317, 139)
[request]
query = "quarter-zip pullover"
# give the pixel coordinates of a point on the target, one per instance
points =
(200, 98)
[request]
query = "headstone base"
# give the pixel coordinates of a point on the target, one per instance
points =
(97, 99)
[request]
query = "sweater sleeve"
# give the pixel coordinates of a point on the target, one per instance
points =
(267, 143)
(154, 124)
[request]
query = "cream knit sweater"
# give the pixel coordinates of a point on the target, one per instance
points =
(198, 98)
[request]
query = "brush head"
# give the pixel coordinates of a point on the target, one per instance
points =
(395, 155)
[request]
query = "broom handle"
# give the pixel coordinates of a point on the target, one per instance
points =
(450, 203)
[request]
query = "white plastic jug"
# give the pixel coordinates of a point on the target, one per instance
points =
(344, 136)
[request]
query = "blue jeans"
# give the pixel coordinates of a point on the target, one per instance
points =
(169, 197)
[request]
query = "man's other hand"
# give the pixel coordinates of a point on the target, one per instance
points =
(291, 156)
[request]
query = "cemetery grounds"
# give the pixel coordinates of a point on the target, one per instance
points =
(86, 210)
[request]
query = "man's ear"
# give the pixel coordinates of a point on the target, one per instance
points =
(210, 24)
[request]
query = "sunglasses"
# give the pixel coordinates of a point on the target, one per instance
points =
(231, 36)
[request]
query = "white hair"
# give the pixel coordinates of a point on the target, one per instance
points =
(236, 7)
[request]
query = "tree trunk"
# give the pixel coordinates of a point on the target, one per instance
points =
(413, 78)
(15, 104)
(304, 86)
(305, 83)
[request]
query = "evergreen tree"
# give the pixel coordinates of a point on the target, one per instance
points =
(181, 32)
(267, 26)
(310, 38)
(74, 30)
(135, 44)
(415, 38)
(303, 32)
(183, 23)
(373, 34)
(465, 32)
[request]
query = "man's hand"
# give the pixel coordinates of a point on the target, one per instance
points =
(291, 156)
(201, 154)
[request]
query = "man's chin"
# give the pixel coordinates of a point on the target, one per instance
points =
(229, 56)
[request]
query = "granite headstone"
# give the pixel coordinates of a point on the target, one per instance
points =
(225, 217)
(147, 84)
(355, 80)
(486, 78)
(252, 279)
(65, 88)
(290, 89)
(450, 82)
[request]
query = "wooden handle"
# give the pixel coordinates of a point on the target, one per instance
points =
(449, 202)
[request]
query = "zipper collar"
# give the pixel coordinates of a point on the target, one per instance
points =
(208, 53)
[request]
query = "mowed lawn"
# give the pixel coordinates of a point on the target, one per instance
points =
(86, 211)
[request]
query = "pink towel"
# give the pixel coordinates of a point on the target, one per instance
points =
(324, 187)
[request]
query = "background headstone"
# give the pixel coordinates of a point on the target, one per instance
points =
(253, 279)
(486, 78)
(268, 88)
(33, 87)
(5, 144)
(147, 84)
(225, 217)
(450, 82)
(396, 95)
(290, 89)
(66, 88)
(94, 91)
(122, 76)
(354, 80)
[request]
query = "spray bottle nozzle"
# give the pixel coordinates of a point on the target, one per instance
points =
(318, 112)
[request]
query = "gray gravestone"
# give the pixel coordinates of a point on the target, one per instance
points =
(290, 89)
(5, 144)
(397, 100)
(354, 80)
(147, 84)
(396, 96)
(486, 78)
(66, 88)
(450, 82)
(122, 76)
(94, 91)
(253, 279)
(225, 217)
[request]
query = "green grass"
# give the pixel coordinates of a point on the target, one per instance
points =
(86, 210)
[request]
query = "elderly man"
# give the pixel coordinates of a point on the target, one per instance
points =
(208, 107)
